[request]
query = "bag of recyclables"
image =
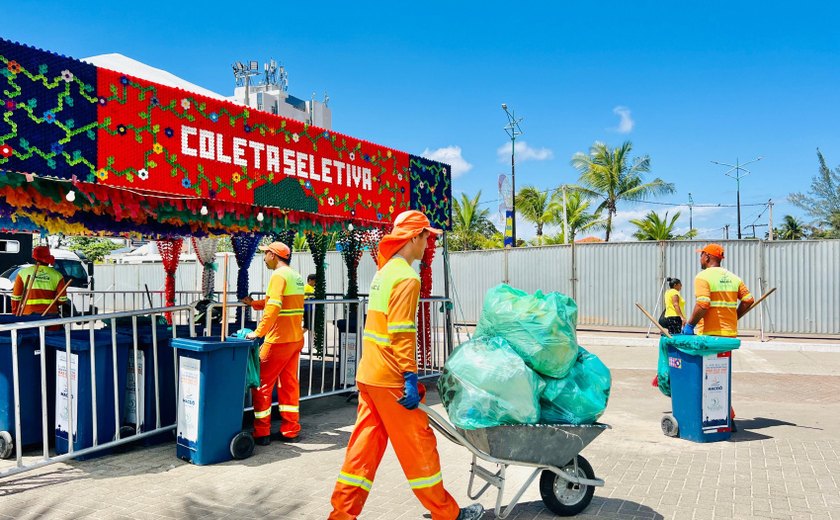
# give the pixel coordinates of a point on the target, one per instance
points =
(485, 383)
(539, 327)
(690, 344)
(252, 376)
(580, 397)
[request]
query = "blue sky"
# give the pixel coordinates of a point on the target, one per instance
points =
(687, 85)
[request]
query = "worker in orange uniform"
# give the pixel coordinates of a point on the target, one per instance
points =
(281, 326)
(389, 392)
(43, 289)
(721, 299)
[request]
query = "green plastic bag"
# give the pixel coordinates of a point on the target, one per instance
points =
(696, 345)
(252, 374)
(539, 327)
(485, 383)
(579, 398)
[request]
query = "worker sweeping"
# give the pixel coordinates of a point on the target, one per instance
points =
(389, 392)
(722, 298)
(281, 326)
(44, 283)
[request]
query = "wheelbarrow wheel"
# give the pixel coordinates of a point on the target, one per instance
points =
(670, 427)
(564, 498)
(242, 445)
(7, 445)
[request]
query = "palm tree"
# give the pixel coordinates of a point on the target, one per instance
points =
(791, 229)
(652, 227)
(535, 207)
(578, 217)
(608, 175)
(300, 243)
(470, 223)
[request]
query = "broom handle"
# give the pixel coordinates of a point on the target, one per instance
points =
(57, 296)
(20, 305)
(30, 282)
(224, 300)
(662, 329)
(754, 305)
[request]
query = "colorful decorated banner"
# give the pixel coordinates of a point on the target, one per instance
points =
(66, 119)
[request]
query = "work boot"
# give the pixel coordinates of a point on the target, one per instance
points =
(282, 438)
(262, 441)
(471, 512)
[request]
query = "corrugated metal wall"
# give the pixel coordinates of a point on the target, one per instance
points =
(609, 278)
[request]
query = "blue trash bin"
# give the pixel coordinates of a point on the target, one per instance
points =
(29, 379)
(146, 354)
(701, 393)
(80, 363)
(211, 386)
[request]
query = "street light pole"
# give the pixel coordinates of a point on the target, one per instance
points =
(513, 131)
(738, 168)
(690, 213)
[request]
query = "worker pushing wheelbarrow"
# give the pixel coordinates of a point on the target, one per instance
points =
(567, 481)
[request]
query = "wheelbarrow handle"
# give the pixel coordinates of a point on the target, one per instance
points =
(443, 426)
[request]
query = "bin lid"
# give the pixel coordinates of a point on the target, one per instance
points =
(80, 340)
(209, 343)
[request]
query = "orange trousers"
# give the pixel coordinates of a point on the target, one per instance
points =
(278, 366)
(380, 418)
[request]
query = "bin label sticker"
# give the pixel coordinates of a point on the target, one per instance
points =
(131, 404)
(715, 393)
(348, 358)
(62, 398)
(189, 388)
(674, 362)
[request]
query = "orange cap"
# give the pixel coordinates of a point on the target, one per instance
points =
(413, 220)
(715, 250)
(42, 254)
(278, 248)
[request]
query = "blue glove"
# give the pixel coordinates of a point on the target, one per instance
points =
(411, 394)
(688, 329)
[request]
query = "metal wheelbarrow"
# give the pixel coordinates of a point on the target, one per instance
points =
(567, 481)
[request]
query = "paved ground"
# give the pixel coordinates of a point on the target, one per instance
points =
(784, 463)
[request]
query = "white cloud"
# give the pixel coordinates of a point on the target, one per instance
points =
(524, 153)
(450, 155)
(625, 123)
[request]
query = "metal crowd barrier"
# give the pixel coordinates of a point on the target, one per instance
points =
(326, 369)
(331, 370)
(181, 314)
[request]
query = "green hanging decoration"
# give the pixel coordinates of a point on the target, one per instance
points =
(318, 244)
(350, 243)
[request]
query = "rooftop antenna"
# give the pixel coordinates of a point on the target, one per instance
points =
(242, 73)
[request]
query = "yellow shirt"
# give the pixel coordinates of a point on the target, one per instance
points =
(282, 320)
(670, 311)
(389, 344)
(719, 291)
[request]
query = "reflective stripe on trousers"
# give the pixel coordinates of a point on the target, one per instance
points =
(278, 366)
(380, 419)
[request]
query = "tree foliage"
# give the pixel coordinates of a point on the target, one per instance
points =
(654, 227)
(535, 206)
(822, 202)
(471, 224)
(791, 229)
(93, 248)
(612, 176)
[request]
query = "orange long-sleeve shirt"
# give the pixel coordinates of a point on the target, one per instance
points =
(719, 291)
(282, 321)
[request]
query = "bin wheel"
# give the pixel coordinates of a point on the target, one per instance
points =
(562, 497)
(242, 445)
(669, 426)
(7, 445)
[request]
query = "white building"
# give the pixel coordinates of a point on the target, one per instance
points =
(268, 91)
